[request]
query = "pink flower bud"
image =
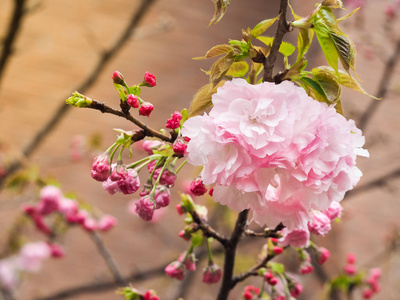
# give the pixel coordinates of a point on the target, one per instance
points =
(306, 268)
(118, 173)
(146, 109)
(368, 294)
(175, 270)
(32, 254)
(334, 211)
(167, 178)
(390, 11)
(197, 187)
(179, 148)
(180, 209)
(211, 191)
(190, 262)
(273, 281)
(278, 250)
(117, 77)
(28, 209)
(150, 79)
(111, 186)
(185, 235)
(296, 290)
(68, 206)
(322, 255)
(89, 224)
(212, 274)
(78, 217)
(106, 223)
(350, 269)
(162, 196)
(268, 275)
(50, 197)
(145, 208)
(174, 121)
(130, 183)
(133, 101)
(351, 258)
(320, 224)
(56, 251)
(100, 168)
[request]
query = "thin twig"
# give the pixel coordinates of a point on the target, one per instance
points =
(282, 29)
(85, 85)
(208, 230)
(383, 88)
(230, 253)
(12, 33)
(110, 261)
(147, 130)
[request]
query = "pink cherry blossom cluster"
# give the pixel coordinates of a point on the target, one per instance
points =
(29, 259)
(177, 268)
(276, 151)
(53, 201)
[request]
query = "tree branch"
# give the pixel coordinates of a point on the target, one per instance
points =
(282, 29)
(86, 84)
(12, 33)
(110, 261)
(383, 88)
(208, 230)
(230, 253)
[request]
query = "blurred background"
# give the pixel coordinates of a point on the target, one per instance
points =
(63, 46)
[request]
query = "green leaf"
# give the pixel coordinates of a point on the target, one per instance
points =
(202, 99)
(197, 238)
(286, 49)
(347, 81)
(327, 45)
(348, 15)
(220, 67)
(220, 10)
(238, 69)
(304, 40)
(329, 84)
(345, 50)
(276, 267)
(121, 91)
(215, 51)
(184, 113)
(313, 89)
(135, 90)
(261, 27)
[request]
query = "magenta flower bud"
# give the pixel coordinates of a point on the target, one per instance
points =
(130, 183)
(106, 223)
(175, 270)
(273, 281)
(40, 224)
(150, 79)
(118, 173)
(174, 121)
(78, 217)
(211, 191)
(117, 77)
(50, 197)
(185, 235)
(212, 274)
(322, 255)
(167, 178)
(190, 262)
(100, 168)
(145, 208)
(306, 268)
(179, 148)
(133, 101)
(367, 294)
(28, 209)
(278, 250)
(56, 251)
(295, 290)
(146, 109)
(197, 188)
(180, 209)
(162, 196)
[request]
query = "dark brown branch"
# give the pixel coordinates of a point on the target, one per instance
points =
(208, 230)
(110, 261)
(12, 33)
(383, 88)
(230, 253)
(147, 130)
(85, 85)
(283, 28)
